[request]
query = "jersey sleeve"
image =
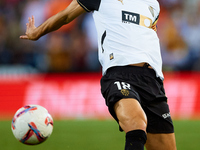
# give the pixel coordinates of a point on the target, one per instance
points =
(89, 5)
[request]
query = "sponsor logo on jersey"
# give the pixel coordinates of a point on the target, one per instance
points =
(129, 17)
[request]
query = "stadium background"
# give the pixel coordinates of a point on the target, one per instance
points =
(61, 72)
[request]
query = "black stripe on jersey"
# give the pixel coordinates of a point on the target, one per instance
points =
(102, 40)
(154, 25)
(89, 5)
(156, 19)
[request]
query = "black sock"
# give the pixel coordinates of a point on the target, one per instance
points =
(135, 140)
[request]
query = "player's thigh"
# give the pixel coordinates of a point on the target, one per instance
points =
(160, 141)
(130, 114)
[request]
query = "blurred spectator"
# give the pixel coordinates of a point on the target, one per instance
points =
(180, 38)
(5, 54)
(89, 30)
(173, 46)
(190, 29)
(58, 54)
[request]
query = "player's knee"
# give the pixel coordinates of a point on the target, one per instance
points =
(129, 123)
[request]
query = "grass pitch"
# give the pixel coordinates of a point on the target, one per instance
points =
(95, 135)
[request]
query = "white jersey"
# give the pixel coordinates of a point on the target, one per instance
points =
(126, 32)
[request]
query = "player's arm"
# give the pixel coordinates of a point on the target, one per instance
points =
(53, 23)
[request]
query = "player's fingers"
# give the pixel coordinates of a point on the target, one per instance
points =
(33, 20)
(24, 37)
(29, 21)
(28, 24)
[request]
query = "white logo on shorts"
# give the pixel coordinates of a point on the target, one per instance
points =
(166, 115)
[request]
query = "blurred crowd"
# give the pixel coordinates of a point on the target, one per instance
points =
(73, 48)
(178, 29)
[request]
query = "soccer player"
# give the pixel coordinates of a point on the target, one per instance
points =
(129, 52)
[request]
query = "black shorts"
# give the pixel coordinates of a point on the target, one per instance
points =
(141, 84)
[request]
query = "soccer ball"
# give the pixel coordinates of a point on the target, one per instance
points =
(32, 124)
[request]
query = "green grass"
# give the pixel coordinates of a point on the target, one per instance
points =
(187, 134)
(95, 135)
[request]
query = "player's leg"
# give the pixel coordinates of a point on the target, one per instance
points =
(160, 129)
(160, 141)
(133, 121)
(130, 115)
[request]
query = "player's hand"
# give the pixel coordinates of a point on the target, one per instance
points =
(30, 30)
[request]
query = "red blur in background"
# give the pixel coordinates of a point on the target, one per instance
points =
(74, 96)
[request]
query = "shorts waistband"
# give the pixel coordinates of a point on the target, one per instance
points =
(132, 69)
